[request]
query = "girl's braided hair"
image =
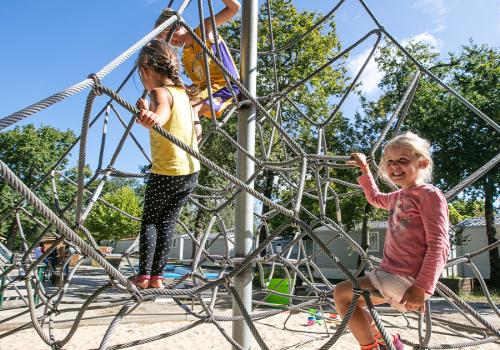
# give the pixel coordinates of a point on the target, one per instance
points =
(162, 58)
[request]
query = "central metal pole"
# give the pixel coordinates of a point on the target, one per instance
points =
(243, 226)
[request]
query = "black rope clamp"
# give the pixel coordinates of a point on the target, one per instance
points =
(138, 296)
(467, 256)
(25, 277)
(322, 296)
(56, 346)
(55, 311)
(228, 282)
(97, 84)
(366, 293)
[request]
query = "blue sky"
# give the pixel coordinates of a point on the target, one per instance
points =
(48, 46)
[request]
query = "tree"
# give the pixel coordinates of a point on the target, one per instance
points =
(313, 98)
(107, 224)
(29, 152)
(462, 209)
(462, 142)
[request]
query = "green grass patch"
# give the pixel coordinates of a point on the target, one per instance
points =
(478, 296)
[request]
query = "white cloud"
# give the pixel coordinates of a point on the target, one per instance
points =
(439, 28)
(371, 75)
(425, 38)
(437, 9)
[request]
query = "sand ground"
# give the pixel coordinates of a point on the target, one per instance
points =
(280, 332)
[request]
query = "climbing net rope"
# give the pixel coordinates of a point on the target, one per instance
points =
(307, 175)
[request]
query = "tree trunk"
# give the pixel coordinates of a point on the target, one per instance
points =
(11, 235)
(365, 244)
(198, 228)
(268, 189)
(489, 216)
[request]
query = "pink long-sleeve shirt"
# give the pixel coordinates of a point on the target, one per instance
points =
(416, 242)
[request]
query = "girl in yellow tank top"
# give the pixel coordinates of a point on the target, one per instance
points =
(174, 172)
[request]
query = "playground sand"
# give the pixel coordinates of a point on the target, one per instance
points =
(154, 319)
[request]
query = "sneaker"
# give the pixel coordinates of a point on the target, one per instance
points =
(396, 341)
(373, 346)
(156, 282)
(140, 281)
(333, 318)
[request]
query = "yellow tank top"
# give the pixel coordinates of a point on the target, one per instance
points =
(192, 59)
(167, 158)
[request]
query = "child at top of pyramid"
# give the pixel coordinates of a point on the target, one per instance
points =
(192, 60)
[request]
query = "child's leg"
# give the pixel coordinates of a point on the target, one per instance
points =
(181, 186)
(147, 244)
(222, 97)
(150, 216)
(197, 104)
(200, 107)
(360, 321)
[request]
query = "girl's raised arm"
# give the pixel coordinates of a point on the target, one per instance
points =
(224, 15)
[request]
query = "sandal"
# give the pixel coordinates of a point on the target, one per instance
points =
(141, 281)
(156, 282)
(396, 341)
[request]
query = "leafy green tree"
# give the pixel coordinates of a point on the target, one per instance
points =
(116, 183)
(462, 209)
(29, 152)
(107, 224)
(313, 98)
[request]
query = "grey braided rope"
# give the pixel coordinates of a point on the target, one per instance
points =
(247, 318)
(24, 191)
(156, 337)
(207, 162)
(469, 309)
(116, 320)
(469, 180)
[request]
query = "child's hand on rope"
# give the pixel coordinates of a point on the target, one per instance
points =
(358, 160)
(147, 118)
(142, 103)
(414, 299)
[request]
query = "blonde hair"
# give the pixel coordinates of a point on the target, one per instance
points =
(421, 147)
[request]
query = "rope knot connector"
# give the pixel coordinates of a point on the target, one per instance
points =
(97, 84)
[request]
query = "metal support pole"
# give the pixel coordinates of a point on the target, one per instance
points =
(245, 168)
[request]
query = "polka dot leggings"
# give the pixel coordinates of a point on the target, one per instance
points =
(165, 197)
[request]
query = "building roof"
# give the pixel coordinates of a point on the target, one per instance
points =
(477, 221)
(382, 224)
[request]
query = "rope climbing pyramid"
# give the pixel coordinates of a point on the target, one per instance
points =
(309, 172)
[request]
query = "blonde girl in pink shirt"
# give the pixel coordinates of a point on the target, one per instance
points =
(416, 244)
